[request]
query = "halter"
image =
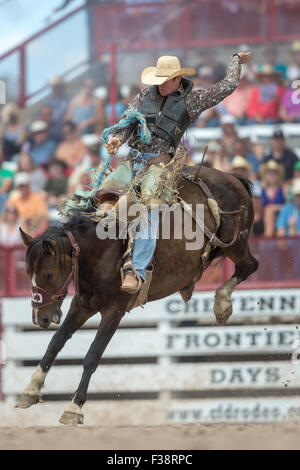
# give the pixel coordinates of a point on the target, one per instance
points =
(41, 298)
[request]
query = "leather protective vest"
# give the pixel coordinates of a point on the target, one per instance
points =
(167, 117)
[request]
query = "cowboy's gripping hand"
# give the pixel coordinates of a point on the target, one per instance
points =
(113, 145)
(245, 56)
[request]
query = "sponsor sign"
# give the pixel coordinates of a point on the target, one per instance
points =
(236, 411)
(248, 305)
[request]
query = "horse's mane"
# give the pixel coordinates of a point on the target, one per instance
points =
(78, 222)
(55, 234)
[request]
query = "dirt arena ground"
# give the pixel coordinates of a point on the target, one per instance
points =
(177, 436)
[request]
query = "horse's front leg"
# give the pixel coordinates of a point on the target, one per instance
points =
(108, 325)
(76, 317)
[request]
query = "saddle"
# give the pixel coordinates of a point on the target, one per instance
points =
(110, 196)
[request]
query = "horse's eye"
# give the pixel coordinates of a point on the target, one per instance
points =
(49, 276)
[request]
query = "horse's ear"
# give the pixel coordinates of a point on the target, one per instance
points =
(48, 246)
(26, 238)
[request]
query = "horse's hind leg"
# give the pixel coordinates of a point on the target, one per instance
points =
(75, 318)
(245, 264)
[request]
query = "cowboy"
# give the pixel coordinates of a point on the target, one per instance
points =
(170, 106)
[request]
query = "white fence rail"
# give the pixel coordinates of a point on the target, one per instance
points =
(201, 360)
(158, 378)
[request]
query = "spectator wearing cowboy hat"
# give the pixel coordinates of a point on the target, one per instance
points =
(263, 105)
(271, 55)
(229, 137)
(288, 221)
(240, 165)
(58, 101)
(272, 175)
(31, 207)
(42, 148)
(282, 154)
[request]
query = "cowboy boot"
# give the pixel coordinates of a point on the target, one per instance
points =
(131, 283)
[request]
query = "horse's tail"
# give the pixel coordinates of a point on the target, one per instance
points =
(247, 183)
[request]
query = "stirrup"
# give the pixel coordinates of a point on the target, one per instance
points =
(128, 265)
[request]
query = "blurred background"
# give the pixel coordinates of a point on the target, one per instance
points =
(71, 68)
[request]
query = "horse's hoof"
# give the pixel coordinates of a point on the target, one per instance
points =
(69, 418)
(72, 415)
(28, 400)
(222, 318)
(222, 315)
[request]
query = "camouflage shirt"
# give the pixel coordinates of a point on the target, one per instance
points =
(197, 101)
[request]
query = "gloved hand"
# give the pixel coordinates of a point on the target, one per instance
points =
(113, 144)
(245, 56)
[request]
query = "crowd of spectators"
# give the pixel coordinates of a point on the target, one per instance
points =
(267, 92)
(275, 175)
(44, 159)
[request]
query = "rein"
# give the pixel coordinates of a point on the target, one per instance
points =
(41, 298)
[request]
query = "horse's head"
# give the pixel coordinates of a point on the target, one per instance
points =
(48, 267)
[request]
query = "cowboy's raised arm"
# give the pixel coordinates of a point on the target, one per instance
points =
(119, 137)
(206, 98)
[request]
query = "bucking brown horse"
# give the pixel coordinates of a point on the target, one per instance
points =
(73, 250)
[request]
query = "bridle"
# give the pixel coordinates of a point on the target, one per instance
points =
(41, 298)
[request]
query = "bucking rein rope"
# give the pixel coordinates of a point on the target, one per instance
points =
(86, 197)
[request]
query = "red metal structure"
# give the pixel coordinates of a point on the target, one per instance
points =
(184, 25)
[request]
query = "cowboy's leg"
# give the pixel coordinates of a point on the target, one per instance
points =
(120, 179)
(157, 186)
(154, 191)
(144, 244)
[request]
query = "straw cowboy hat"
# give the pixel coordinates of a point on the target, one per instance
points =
(295, 46)
(38, 126)
(240, 162)
(267, 70)
(91, 141)
(167, 67)
(21, 179)
(57, 80)
(273, 166)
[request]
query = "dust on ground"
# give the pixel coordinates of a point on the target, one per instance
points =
(173, 436)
